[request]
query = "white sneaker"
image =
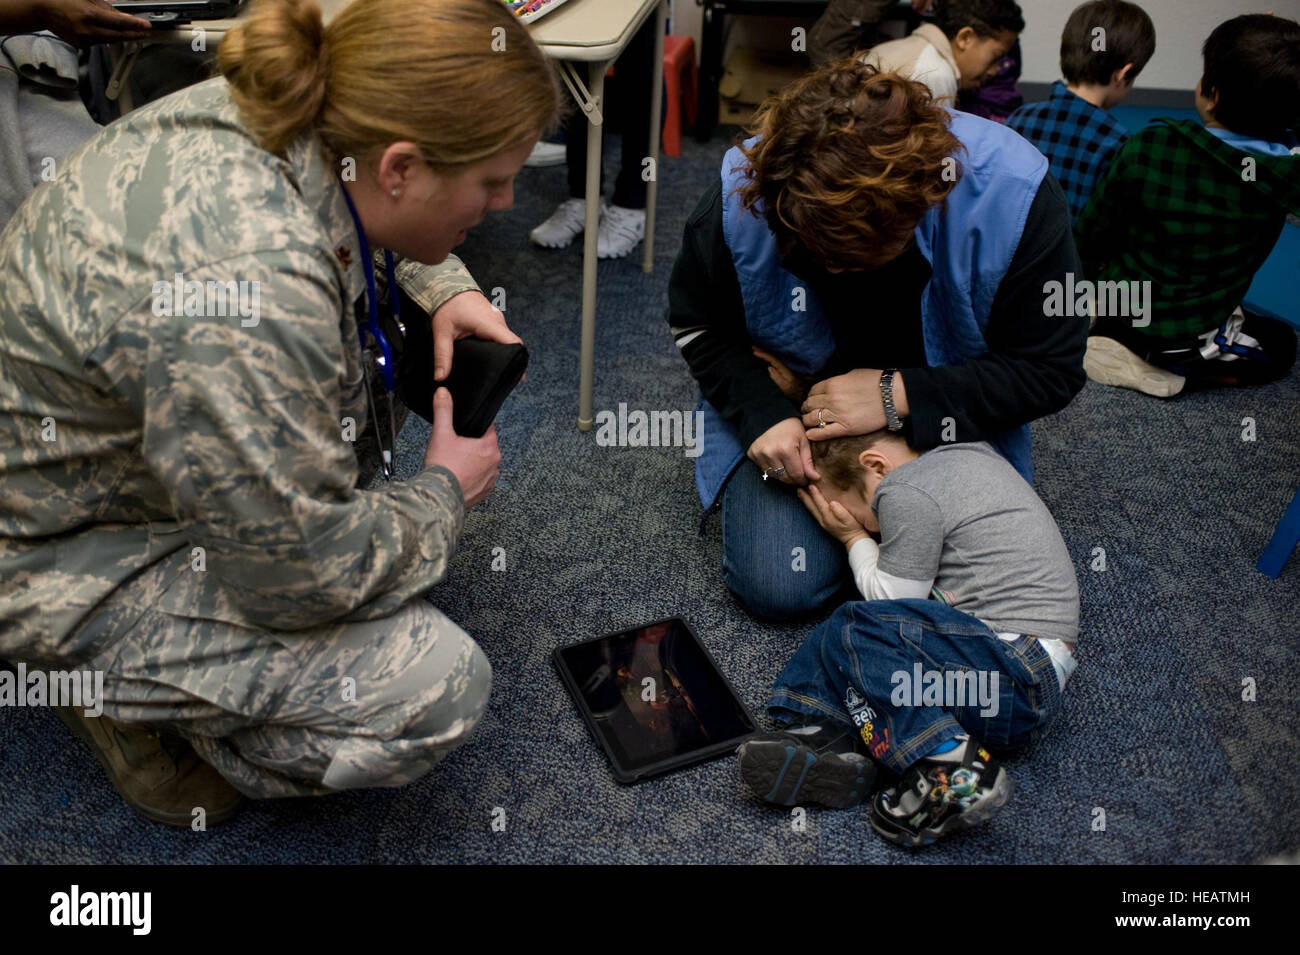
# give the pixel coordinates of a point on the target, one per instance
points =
(565, 224)
(620, 231)
(546, 154)
(1107, 362)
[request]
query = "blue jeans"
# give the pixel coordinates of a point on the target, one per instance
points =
(859, 669)
(763, 523)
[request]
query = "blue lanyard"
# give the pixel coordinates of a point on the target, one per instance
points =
(385, 357)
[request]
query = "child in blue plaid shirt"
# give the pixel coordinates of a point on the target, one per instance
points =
(1105, 45)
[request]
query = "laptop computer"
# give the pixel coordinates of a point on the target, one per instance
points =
(174, 12)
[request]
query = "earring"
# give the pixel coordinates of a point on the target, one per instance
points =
(396, 191)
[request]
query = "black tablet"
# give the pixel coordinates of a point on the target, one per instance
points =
(654, 698)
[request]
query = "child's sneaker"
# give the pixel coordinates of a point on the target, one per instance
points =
(816, 764)
(1107, 362)
(620, 231)
(546, 154)
(564, 225)
(940, 794)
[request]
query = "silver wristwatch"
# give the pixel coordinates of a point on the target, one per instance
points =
(892, 421)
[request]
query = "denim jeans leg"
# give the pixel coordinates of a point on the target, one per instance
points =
(860, 666)
(776, 560)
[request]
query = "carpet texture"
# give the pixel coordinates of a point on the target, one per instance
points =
(1154, 731)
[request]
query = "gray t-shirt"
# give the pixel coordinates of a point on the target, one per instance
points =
(962, 516)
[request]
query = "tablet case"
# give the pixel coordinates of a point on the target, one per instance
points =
(483, 373)
(628, 776)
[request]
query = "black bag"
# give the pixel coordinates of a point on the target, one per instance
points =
(483, 373)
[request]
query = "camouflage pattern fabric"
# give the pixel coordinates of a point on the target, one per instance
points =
(178, 495)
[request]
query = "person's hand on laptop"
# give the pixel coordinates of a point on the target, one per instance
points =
(86, 22)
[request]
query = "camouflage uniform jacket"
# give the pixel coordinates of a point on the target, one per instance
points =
(131, 435)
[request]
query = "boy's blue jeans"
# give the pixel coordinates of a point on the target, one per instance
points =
(859, 669)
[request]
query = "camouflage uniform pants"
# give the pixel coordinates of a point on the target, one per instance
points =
(334, 707)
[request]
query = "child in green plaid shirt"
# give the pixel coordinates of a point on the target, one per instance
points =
(1195, 210)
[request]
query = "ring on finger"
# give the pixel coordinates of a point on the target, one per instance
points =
(772, 472)
(822, 422)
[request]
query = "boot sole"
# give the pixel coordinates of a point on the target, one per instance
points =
(786, 773)
(1107, 362)
(983, 810)
(179, 820)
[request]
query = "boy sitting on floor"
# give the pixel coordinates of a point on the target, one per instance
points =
(967, 39)
(1191, 212)
(1072, 128)
(923, 685)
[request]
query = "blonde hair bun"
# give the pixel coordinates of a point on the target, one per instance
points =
(277, 64)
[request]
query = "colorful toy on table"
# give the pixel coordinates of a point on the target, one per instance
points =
(530, 9)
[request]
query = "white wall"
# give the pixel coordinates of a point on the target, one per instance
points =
(1181, 28)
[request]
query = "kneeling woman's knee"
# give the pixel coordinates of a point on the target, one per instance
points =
(780, 596)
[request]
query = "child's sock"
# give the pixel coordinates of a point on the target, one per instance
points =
(945, 747)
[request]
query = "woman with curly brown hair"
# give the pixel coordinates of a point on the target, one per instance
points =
(869, 260)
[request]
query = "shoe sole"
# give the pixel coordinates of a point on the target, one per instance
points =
(180, 820)
(1107, 362)
(786, 773)
(617, 255)
(552, 245)
(983, 810)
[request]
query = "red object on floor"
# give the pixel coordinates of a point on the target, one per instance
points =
(680, 81)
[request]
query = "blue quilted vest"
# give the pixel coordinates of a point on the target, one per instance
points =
(969, 246)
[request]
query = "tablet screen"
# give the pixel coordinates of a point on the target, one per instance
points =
(653, 694)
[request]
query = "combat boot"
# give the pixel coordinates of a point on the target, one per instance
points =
(157, 773)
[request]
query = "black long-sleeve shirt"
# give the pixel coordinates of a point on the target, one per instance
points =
(1034, 365)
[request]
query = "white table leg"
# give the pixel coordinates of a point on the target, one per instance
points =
(656, 108)
(586, 418)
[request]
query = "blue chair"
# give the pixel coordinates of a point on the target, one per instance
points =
(1284, 541)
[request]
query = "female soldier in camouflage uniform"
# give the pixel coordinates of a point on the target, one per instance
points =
(178, 501)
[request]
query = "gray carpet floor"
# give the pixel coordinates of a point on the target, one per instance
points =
(1154, 730)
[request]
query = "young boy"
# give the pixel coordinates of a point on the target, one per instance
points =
(923, 685)
(1190, 212)
(966, 40)
(1073, 128)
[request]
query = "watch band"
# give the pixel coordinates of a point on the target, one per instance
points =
(892, 421)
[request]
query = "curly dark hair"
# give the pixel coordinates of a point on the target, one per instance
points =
(848, 161)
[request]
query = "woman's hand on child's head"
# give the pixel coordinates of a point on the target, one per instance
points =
(833, 516)
(782, 452)
(849, 404)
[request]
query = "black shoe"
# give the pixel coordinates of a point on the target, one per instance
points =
(941, 794)
(815, 764)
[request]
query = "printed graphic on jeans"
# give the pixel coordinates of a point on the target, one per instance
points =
(864, 719)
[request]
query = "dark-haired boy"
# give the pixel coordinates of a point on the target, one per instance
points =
(1104, 47)
(923, 685)
(958, 51)
(1195, 210)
